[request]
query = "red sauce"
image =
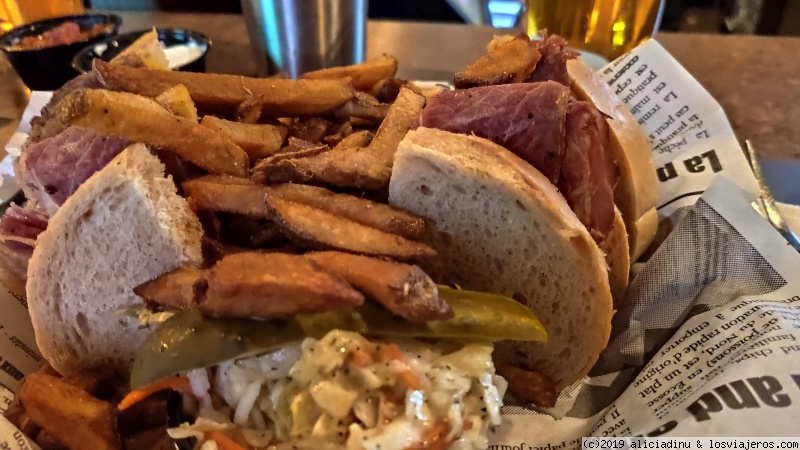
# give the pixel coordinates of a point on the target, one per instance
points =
(64, 34)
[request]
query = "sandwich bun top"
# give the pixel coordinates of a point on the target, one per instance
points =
(500, 226)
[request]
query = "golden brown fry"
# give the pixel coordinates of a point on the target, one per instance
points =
(258, 140)
(529, 385)
(403, 289)
(315, 229)
(386, 90)
(140, 119)
(79, 420)
(338, 133)
(256, 285)
(223, 94)
(366, 212)
(363, 106)
(364, 76)
(176, 289)
(280, 167)
(511, 61)
(311, 129)
(358, 139)
(239, 196)
(215, 194)
(178, 101)
(364, 168)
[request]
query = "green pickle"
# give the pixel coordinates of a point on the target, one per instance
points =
(189, 341)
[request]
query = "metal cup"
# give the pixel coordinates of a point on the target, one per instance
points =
(297, 36)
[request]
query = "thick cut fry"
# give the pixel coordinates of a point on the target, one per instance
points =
(366, 212)
(178, 101)
(529, 385)
(358, 139)
(403, 289)
(315, 229)
(364, 168)
(258, 140)
(214, 194)
(364, 76)
(239, 196)
(311, 129)
(176, 289)
(338, 132)
(77, 419)
(363, 106)
(511, 61)
(140, 119)
(256, 285)
(223, 94)
(386, 90)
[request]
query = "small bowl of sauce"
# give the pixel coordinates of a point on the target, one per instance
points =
(186, 50)
(41, 52)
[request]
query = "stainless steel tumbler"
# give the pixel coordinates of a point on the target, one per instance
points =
(297, 36)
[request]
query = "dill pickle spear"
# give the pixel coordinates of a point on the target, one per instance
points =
(189, 341)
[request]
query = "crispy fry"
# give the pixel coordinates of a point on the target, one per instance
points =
(223, 94)
(178, 101)
(315, 229)
(255, 284)
(140, 119)
(79, 420)
(258, 140)
(239, 196)
(338, 133)
(176, 289)
(366, 212)
(386, 90)
(311, 129)
(511, 61)
(363, 106)
(358, 139)
(529, 385)
(403, 289)
(364, 76)
(364, 168)
(216, 194)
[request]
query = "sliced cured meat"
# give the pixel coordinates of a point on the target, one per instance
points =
(526, 118)
(588, 173)
(19, 228)
(553, 64)
(51, 170)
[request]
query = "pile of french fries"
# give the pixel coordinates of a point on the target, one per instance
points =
(295, 168)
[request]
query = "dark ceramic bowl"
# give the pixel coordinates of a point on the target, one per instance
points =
(173, 39)
(48, 68)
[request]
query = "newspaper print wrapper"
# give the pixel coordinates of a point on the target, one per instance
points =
(708, 343)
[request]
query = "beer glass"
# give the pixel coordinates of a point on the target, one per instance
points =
(606, 27)
(18, 12)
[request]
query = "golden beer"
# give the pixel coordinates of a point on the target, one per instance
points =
(18, 12)
(606, 27)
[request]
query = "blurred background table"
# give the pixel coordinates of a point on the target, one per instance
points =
(755, 78)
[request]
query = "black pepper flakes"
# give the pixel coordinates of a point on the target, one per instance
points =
(530, 115)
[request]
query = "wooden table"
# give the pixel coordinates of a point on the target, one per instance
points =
(756, 79)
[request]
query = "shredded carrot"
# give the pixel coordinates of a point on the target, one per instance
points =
(173, 383)
(360, 358)
(390, 352)
(434, 438)
(410, 379)
(223, 442)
